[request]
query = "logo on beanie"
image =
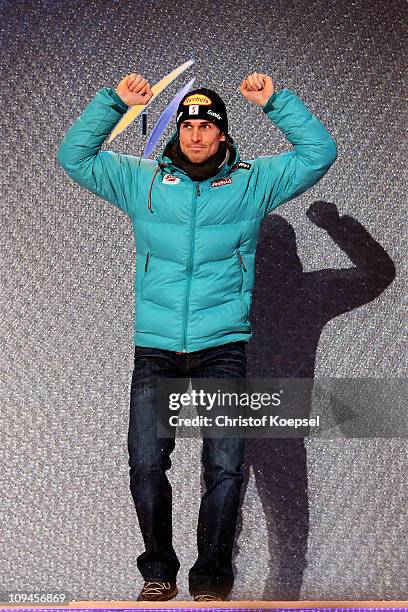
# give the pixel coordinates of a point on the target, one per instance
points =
(221, 182)
(210, 112)
(193, 109)
(197, 99)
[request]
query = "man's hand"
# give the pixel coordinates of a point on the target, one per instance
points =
(257, 88)
(134, 89)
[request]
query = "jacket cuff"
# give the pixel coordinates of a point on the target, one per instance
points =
(268, 107)
(117, 100)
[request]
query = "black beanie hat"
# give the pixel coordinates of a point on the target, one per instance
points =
(203, 104)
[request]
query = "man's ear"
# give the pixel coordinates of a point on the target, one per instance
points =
(222, 137)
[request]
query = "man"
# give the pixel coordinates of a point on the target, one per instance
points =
(196, 212)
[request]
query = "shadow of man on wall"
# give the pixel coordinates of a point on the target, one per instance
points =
(289, 311)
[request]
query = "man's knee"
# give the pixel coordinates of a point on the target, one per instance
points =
(148, 461)
(223, 462)
(224, 454)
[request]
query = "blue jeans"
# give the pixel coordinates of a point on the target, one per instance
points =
(149, 458)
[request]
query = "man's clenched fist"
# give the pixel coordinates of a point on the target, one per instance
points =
(257, 88)
(134, 89)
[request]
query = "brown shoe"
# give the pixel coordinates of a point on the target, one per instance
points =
(207, 597)
(156, 590)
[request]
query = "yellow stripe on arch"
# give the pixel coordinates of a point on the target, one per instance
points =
(134, 111)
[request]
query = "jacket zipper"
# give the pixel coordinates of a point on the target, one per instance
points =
(144, 275)
(196, 194)
(241, 260)
(243, 268)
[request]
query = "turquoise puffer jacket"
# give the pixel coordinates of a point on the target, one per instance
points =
(195, 241)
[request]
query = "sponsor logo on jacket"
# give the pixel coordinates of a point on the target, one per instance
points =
(241, 164)
(169, 179)
(197, 99)
(222, 181)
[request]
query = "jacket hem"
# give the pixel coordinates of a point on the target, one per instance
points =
(194, 346)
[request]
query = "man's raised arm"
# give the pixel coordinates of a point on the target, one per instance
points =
(283, 177)
(105, 173)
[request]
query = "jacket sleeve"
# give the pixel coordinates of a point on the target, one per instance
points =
(281, 178)
(110, 175)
